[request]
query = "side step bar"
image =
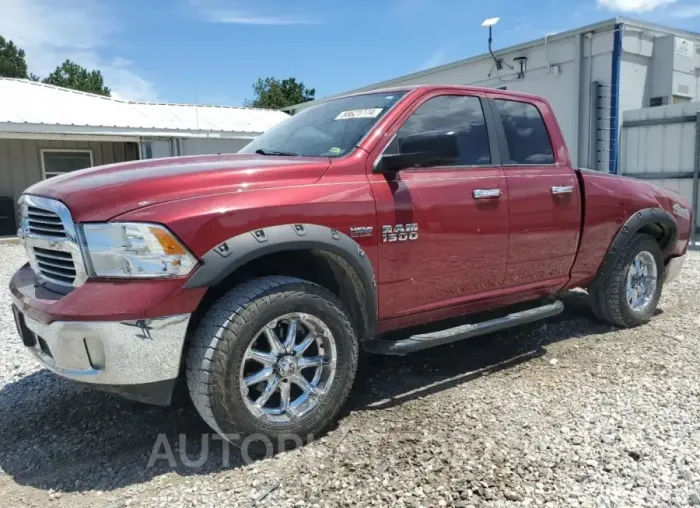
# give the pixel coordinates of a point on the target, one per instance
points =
(441, 337)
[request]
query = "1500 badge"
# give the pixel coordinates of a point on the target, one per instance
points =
(399, 233)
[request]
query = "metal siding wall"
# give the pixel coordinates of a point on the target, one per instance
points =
(211, 146)
(159, 148)
(20, 160)
(107, 154)
(19, 166)
(6, 174)
(659, 147)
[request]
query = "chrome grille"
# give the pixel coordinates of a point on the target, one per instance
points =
(45, 222)
(51, 240)
(55, 265)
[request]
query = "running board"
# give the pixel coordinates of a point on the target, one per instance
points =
(441, 337)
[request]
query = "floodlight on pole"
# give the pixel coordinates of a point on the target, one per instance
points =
(490, 22)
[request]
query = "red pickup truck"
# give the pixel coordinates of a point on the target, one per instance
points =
(259, 276)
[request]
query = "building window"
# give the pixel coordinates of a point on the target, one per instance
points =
(55, 162)
(526, 134)
(656, 102)
(679, 99)
(458, 115)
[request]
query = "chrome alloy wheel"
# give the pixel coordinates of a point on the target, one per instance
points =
(641, 281)
(288, 368)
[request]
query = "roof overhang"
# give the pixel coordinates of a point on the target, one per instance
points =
(46, 131)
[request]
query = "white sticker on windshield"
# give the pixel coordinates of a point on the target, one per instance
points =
(359, 113)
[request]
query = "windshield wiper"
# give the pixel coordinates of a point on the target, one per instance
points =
(263, 151)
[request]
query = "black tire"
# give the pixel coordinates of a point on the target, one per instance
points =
(609, 295)
(219, 343)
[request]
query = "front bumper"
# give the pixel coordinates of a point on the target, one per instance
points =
(108, 352)
(673, 268)
(136, 356)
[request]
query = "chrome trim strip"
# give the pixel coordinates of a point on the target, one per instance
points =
(70, 243)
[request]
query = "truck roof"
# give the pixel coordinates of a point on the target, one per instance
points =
(410, 88)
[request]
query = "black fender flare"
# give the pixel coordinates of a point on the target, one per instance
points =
(635, 223)
(230, 255)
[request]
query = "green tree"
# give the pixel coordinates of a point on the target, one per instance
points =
(72, 75)
(273, 93)
(12, 62)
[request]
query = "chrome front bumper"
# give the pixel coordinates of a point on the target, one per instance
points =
(673, 268)
(108, 352)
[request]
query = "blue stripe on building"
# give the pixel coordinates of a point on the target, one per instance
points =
(615, 100)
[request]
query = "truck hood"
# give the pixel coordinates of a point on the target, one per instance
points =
(103, 192)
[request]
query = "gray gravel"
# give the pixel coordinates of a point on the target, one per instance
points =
(565, 413)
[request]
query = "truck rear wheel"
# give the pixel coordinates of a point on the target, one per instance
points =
(273, 359)
(629, 294)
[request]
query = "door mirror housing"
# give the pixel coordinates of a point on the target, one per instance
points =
(421, 150)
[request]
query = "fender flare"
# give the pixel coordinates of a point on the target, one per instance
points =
(230, 255)
(636, 222)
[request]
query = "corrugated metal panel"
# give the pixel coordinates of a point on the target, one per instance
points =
(25, 103)
(663, 141)
(20, 160)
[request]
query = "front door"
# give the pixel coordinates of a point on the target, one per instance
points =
(444, 229)
(544, 194)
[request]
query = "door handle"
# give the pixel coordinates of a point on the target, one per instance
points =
(559, 190)
(487, 193)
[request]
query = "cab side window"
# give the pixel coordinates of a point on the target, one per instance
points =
(526, 134)
(455, 115)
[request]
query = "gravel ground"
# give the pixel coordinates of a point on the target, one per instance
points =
(565, 413)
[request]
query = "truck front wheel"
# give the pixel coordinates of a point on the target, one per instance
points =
(629, 294)
(273, 359)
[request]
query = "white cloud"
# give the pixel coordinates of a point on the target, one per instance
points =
(439, 57)
(214, 12)
(51, 31)
(126, 84)
(246, 18)
(686, 11)
(634, 5)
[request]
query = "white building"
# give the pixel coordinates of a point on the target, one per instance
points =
(47, 130)
(590, 75)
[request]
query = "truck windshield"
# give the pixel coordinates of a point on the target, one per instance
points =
(330, 129)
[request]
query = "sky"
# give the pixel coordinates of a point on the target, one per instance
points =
(212, 51)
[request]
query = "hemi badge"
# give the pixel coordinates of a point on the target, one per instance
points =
(361, 232)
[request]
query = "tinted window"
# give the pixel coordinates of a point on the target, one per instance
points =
(456, 115)
(526, 134)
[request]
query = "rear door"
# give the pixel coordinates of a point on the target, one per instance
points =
(544, 195)
(444, 228)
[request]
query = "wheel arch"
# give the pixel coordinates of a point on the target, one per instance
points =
(656, 222)
(317, 253)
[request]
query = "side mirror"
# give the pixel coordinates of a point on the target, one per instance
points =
(421, 150)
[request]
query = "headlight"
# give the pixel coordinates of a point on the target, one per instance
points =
(128, 250)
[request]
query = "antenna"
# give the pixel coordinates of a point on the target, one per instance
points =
(491, 22)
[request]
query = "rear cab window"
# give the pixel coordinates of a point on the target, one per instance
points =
(526, 136)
